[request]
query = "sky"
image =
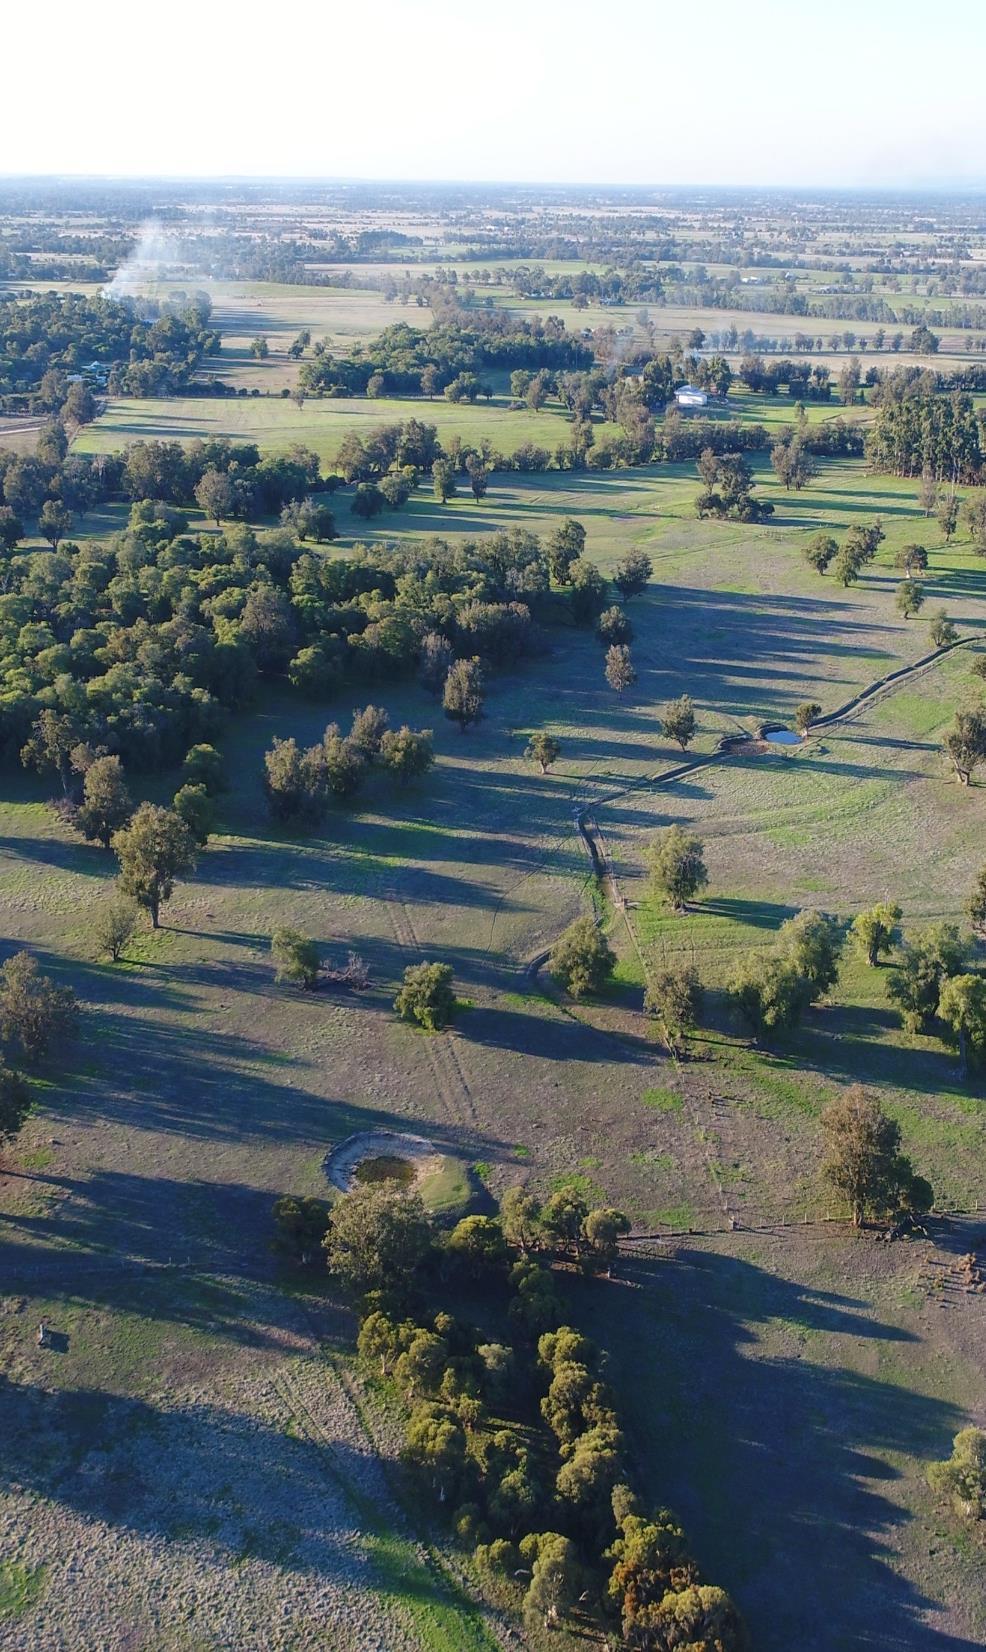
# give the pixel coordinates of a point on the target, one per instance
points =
(730, 92)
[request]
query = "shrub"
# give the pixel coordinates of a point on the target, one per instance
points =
(581, 959)
(295, 958)
(427, 996)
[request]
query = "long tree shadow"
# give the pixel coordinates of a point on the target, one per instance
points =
(780, 1463)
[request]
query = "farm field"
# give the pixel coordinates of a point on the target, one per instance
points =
(203, 1091)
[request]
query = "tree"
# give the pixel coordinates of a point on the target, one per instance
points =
(204, 766)
(554, 1576)
(862, 1158)
(975, 516)
(962, 1476)
(910, 598)
(928, 492)
(443, 479)
(566, 545)
(948, 517)
(54, 522)
(674, 999)
(965, 742)
(296, 958)
(378, 1237)
(614, 627)
(632, 574)
(581, 958)
(924, 967)
(366, 735)
(427, 996)
(805, 714)
(814, 945)
(603, 1229)
(155, 849)
(54, 737)
(819, 551)
(677, 869)
(479, 478)
(106, 802)
(301, 1227)
(296, 782)
(649, 1558)
(215, 495)
(435, 1442)
(35, 1013)
(462, 697)
(309, 519)
(368, 501)
(114, 926)
(407, 753)
(678, 721)
(911, 559)
(771, 992)
(699, 1618)
(962, 1007)
(435, 658)
(589, 591)
(977, 904)
(542, 749)
(520, 1218)
(619, 668)
(11, 528)
(848, 564)
(198, 810)
(15, 1104)
(478, 1243)
(941, 631)
(259, 348)
(877, 931)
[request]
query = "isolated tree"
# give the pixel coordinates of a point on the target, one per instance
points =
(581, 958)
(309, 519)
(15, 1104)
(462, 698)
(975, 518)
(928, 493)
(479, 478)
(106, 802)
(674, 998)
(566, 544)
(923, 967)
(443, 480)
(862, 1158)
(678, 721)
(378, 1237)
(820, 551)
(407, 753)
(962, 1007)
(977, 904)
(198, 810)
(259, 348)
(910, 598)
(215, 495)
(368, 501)
(677, 869)
(204, 766)
(632, 574)
(848, 564)
(962, 1476)
(114, 925)
(614, 627)
(770, 991)
(54, 522)
(948, 516)
(877, 931)
(296, 958)
(911, 559)
(155, 849)
(35, 1013)
(965, 742)
(805, 714)
(435, 657)
(941, 631)
(542, 749)
(427, 996)
(619, 669)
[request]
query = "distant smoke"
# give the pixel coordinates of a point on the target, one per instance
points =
(148, 264)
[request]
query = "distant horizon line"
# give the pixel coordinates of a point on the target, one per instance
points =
(948, 186)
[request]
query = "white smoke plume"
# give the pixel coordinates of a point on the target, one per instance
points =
(149, 263)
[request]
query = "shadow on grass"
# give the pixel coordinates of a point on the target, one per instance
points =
(778, 1461)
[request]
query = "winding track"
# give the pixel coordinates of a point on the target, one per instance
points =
(589, 832)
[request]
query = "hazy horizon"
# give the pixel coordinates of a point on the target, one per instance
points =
(770, 98)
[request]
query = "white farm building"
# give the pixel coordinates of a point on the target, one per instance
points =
(687, 395)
